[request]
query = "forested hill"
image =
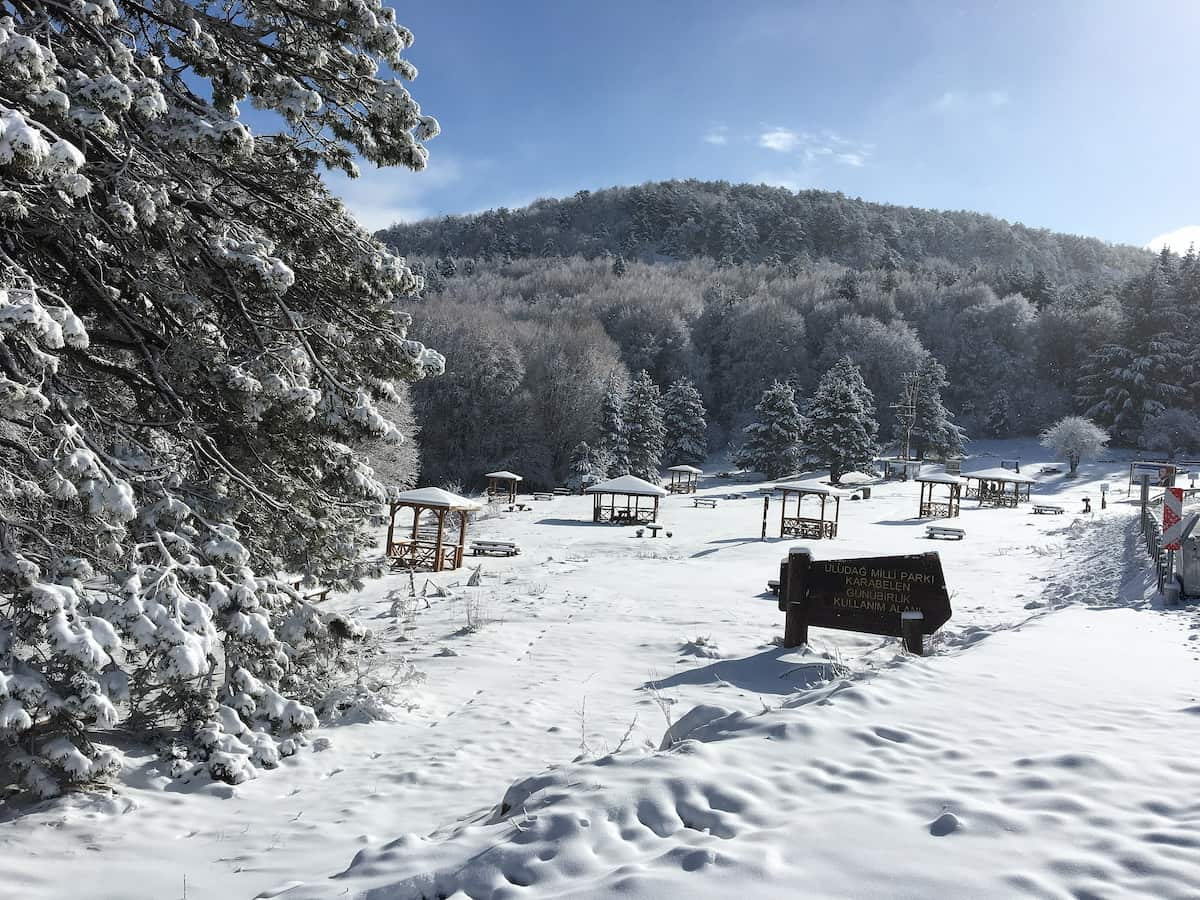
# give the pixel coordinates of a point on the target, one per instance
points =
(756, 223)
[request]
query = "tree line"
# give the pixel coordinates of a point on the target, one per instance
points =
(533, 346)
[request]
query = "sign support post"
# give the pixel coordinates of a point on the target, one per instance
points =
(766, 506)
(912, 624)
(795, 623)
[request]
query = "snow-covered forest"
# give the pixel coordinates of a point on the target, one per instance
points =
(1108, 336)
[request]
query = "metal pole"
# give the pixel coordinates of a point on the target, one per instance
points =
(766, 505)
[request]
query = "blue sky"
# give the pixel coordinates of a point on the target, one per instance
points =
(1080, 116)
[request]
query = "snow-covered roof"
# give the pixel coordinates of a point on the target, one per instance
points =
(627, 484)
(432, 496)
(692, 469)
(939, 476)
(999, 474)
(506, 476)
(813, 487)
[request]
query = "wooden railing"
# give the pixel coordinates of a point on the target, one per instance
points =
(804, 527)
(936, 511)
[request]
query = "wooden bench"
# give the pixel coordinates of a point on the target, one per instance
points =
(707, 502)
(773, 586)
(1047, 509)
(499, 548)
(945, 531)
(562, 492)
(543, 495)
(1050, 470)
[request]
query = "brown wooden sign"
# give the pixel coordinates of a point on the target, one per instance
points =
(901, 596)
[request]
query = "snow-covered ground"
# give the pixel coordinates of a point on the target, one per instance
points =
(1046, 747)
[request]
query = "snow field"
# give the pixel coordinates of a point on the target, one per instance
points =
(1043, 749)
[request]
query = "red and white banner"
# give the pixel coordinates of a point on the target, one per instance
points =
(1172, 518)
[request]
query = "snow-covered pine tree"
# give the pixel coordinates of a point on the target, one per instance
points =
(619, 266)
(841, 428)
(584, 469)
(684, 419)
(998, 420)
(772, 443)
(193, 336)
(613, 445)
(644, 431)
(1153, 367)
(934, 432)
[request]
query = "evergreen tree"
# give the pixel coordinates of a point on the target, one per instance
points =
(194, 336)
(584, 469)
(684, 419)
(1152, 368)
(772, 443)
(619, 267)
(644, 431)
(998, 420)
(841, 426)
(447, 267)
(934, 432)
(613, 448)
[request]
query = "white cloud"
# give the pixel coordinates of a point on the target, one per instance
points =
(719, 135)
(1178, 240)
(781, 140)
(816, 148)
(381, 197)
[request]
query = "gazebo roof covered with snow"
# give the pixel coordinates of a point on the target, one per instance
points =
(933, 480)
(502, 485)
(998, 487)
(431, 545)
(626, 500)
(683, 479)
(812, 527)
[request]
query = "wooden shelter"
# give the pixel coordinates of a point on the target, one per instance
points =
(683, 479)
(814, 527)
(931, 506)
(627, 500)
(998, 487)
(502, 486)
(439, 529)
(895, 467)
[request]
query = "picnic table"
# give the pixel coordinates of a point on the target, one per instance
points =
(499, 548)
(1047, 509)
(707, 502)
(945, 531)
(543, 495)
(654, 528)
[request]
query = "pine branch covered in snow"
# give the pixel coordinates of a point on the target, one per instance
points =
(193, 336)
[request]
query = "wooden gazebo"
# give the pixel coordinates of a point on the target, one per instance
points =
(683, 479)
(502, 486)
(813, 527)
(627, 500)
(931, 506)
(998, 487)
(439, 529)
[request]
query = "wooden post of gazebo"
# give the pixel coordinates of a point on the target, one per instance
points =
(683, 479)
(428, 551)
(931, 507)
(807, 526)
(502, 486)
(641, 499)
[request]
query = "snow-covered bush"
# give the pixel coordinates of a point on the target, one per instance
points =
(193, 334)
